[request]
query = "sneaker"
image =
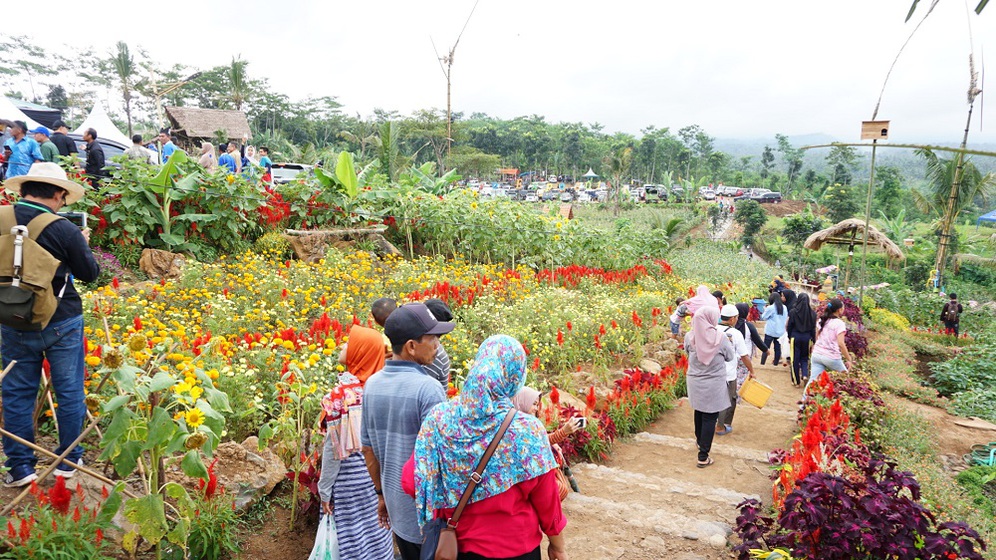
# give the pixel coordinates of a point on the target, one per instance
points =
(23, 477)
(65, 471)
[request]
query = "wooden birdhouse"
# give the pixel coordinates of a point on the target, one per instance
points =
(875, 130)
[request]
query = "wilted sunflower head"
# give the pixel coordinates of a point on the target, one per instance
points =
(195, 440)
(113, 359)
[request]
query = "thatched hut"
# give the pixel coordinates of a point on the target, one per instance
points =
(193, 125)
(851, 232)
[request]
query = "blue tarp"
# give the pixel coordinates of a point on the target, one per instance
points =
(989, 217)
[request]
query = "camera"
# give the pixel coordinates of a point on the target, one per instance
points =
(581, 422)
(78, 218)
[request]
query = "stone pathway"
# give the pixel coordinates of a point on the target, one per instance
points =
(650, 501)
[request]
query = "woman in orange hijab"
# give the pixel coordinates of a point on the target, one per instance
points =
(345, 488)
(364, 352)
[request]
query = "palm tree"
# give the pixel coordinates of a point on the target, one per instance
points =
(940, 176)
(238, 82)
(124, 67)
(619, 163)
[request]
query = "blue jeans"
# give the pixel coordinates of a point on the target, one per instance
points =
(823, 363)
(62, 344)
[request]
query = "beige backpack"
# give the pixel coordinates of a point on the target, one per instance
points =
(26, 272)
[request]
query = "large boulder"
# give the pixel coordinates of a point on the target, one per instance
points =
(161, 264)
(312, 247)
(242, 469)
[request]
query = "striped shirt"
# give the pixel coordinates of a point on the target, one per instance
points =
(395, 402)
(439, 369)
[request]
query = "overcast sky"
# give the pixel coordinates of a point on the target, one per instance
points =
(739, 69)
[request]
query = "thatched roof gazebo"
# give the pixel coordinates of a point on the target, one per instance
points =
(193, 125)
(851, 232)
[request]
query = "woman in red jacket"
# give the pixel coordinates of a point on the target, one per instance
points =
(518, 500)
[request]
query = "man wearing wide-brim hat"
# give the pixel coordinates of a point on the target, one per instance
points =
(46, 189)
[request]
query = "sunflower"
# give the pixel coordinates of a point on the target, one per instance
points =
(194, 417)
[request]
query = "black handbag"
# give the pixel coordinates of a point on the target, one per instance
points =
(439, 540)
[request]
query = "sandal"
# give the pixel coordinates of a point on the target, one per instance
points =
(708, 462)
(724, 431)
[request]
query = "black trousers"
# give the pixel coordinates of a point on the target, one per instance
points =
(705, 431)
(769, 341)
(800, 357)
(409, 550)
(951, 326)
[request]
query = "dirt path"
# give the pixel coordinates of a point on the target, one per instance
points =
(650, 501)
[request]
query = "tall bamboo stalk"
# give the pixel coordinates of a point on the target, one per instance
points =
(949, 214)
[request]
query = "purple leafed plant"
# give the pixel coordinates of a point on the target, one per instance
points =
(875, 514)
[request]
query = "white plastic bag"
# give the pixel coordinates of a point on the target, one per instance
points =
(326, 541)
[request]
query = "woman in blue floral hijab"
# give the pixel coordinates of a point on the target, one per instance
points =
(518, 495)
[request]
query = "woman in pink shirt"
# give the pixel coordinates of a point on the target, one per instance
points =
(830, 352)
(517, 501)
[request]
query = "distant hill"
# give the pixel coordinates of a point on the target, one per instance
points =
(911, 166)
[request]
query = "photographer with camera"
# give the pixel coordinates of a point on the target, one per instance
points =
(45, 190)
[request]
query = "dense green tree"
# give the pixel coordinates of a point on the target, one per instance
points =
(798, 227)
(841, 202)
(792, 158)
(843, 161)
(767, 161)
(888, 194)
(752, 218)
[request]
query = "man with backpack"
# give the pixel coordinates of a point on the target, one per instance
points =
(949, 314)
(51, 328)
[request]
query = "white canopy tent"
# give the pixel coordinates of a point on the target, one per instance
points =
(105, 127)
(590, 174)
(10, 112)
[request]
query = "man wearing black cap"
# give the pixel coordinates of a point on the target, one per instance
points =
(439, 369)
(395, 401)
(64, 143)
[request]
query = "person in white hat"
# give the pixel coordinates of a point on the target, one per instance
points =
(728, 317)
(45, 188)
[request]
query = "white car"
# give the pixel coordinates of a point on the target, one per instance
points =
(708, 194)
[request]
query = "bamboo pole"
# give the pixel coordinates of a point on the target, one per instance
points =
(6, 370)
(47, 387)
(82, 468)
(864, 238)
(48, 470)
(351, 231)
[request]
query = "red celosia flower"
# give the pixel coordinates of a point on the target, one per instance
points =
(138, 323)
(100, 535)
(598, 342)
(601, 330)
(615, 325)
(115, 282)
(569, 326)
(555, 396)
(590, 400)
(536, 363)
(59, 496)
(560, 337)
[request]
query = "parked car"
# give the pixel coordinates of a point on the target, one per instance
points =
(531, 196)
(284, 173)
(655, 193)
(550, 196)
(707, 194)
(773, 197)
(678, 191)
(567, 196)
(111, 149)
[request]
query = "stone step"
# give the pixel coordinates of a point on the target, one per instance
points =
(659, 485)
(613, 512)
(687, 444)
